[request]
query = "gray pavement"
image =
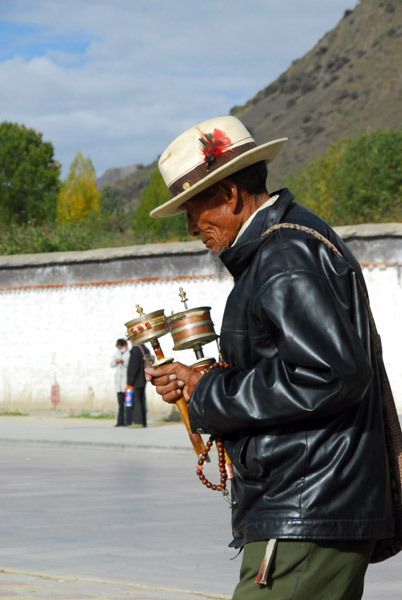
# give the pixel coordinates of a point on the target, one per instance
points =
(382, 581)
(53, 430)
(52, 463)
(20, 585)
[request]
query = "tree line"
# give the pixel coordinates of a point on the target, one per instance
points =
(357, 180)
(39, 211)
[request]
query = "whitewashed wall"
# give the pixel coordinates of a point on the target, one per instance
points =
(66, 333)
(385, 289)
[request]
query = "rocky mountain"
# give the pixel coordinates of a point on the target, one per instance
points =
(129, 189)
(115, 174)
(349, 83)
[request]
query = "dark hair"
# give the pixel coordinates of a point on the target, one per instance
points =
(121, 342)
(252, 179)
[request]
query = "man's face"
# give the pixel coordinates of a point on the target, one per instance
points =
(210, 217)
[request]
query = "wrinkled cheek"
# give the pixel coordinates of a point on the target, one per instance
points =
(225, 235)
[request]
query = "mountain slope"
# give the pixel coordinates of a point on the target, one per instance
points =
(115, 174)
(350, 82)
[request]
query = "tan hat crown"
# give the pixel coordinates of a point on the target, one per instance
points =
(205, 154)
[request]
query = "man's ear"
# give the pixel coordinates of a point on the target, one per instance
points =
(231, 194)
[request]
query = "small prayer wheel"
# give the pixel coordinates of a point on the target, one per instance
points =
(192, 328)
(148, 328)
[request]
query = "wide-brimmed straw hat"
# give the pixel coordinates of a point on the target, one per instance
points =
(206, 154)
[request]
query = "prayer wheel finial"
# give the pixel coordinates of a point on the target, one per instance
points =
(140, 310)
(183, 297)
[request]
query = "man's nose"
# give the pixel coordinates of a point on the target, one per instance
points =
(192, 227)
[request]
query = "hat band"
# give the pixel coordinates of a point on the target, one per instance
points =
(200, 171)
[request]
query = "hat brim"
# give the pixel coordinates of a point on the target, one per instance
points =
(266, 152)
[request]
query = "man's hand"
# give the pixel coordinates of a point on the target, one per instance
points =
(173, 380)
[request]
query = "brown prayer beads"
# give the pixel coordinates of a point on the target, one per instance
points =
(221, 463)
(221, 487)
(221, 363)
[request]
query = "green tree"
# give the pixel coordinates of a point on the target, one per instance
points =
(78, 197)
(357, 180)
(111, 209)
(29, 176)
(146, 229)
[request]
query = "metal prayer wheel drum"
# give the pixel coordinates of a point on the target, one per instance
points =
(192, 328)
(147, 327)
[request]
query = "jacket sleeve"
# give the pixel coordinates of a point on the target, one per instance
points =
(311, 363)
(126, 358)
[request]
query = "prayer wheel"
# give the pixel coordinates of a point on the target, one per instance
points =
(148, 328)
(192, 328)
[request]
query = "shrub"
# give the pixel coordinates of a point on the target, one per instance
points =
(356, 181)
(145, 228)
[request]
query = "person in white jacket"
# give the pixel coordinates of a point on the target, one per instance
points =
(119, 362)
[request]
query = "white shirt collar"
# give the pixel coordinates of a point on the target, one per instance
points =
(269, 202)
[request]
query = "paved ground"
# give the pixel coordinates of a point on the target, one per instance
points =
(99, 450)
(91, 511)
(16, 585)
(94, 434)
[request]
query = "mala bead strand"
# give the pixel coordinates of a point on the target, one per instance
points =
(222, 364)
(221, 465)
(221, 487)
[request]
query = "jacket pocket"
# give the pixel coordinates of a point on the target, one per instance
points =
(247, 459)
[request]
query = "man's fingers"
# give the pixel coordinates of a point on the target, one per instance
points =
(164, 380)
(172, 380)
(171, 397)
(167, 369)
(164, 387)
(175, 368)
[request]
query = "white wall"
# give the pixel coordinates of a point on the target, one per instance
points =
(385, 290)
(68, 334)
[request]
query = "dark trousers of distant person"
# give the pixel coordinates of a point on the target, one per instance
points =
(120, 414)
(139, 407)
(128, 415)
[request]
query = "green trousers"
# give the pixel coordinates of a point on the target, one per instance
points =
(304, 570)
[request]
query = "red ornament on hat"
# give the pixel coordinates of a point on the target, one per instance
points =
(214, 144)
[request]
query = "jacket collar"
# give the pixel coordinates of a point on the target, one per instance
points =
(238, 256)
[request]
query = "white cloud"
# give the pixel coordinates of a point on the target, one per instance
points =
(119, 80)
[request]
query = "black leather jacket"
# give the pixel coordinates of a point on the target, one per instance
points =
(298, 408)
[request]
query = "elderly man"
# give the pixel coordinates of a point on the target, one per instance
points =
(298, 408)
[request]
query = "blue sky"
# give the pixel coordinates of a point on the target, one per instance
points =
(119, 80)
